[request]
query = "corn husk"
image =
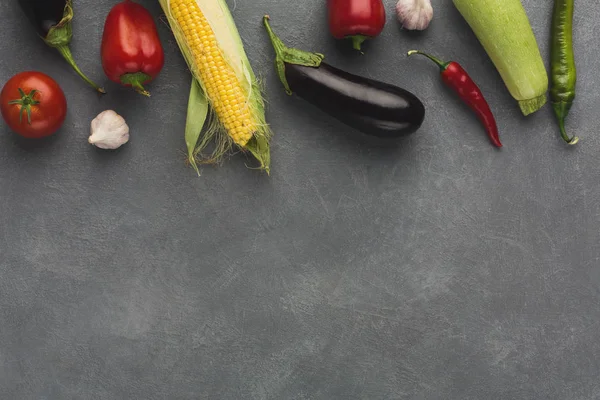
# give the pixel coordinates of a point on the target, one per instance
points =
(203, 128)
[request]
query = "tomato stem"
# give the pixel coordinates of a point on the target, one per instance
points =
(26, 101)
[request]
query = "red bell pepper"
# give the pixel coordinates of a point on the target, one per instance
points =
(358, 20)
(132, 53)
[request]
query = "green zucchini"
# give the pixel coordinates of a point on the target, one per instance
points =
(503, 28)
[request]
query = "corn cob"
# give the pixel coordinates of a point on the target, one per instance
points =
(215, 56)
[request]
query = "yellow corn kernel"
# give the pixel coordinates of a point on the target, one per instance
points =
(220, 81)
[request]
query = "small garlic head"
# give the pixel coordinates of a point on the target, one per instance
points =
(414, 14)
(109, 131)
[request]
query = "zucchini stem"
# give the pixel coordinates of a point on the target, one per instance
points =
(532, 105)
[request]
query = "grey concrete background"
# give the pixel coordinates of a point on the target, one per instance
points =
(437, 268)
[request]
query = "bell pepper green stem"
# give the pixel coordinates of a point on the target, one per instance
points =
(357, 41)
(136, 81)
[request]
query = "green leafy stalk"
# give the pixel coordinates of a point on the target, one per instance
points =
(59, 37)
(196, 117)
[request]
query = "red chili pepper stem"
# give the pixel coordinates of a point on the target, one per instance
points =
(443, 65)
(136, 81)
(455, 77)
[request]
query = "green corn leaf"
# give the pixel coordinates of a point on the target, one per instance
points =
(214, 135)
(197, 113)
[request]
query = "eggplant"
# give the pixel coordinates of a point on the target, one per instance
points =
(372, 107)
(52, 19)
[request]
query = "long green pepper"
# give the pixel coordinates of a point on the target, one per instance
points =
(564, 72)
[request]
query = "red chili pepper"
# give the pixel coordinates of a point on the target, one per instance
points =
(358, 20)
(457, 78)
(132, 53)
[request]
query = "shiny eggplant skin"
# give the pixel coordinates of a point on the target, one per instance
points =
(372, 107)
(43, 14)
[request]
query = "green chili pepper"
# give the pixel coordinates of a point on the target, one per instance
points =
(564, 73)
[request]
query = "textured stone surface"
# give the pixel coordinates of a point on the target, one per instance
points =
(434, 269)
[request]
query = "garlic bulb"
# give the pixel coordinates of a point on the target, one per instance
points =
(109, 131)
(414, 14)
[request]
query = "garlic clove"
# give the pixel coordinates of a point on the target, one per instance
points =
(109, 131)
(414, 14)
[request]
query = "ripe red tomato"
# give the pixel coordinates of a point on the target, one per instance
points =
(33, 105)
